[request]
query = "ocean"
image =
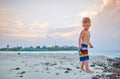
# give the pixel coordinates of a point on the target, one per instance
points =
(91, 52)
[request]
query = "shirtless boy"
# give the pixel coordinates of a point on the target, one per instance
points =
(84, 42)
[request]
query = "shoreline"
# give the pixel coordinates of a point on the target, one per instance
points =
(91, 52)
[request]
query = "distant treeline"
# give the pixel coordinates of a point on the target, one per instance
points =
(39, 48)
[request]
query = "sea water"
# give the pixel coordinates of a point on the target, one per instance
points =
(91, 52)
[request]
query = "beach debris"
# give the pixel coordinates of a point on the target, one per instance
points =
(65, 68)
(57, 73)
(21, 72)
(113, 67)
(48, 64)
(36, 64)
(23, 61)
(69, 69)
(96, 77)
(106, 76)
(18, 73)
(30, 66)
(46, 68)
(77, 67)
(17, 68)
(92, 65)
(18, 53)
(116, 64)
(110, 61)
(66, 71)
(72, 64)
(101, 64)
(53, 64)
(21, 76)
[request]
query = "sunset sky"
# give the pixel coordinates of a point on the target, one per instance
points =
(58, 22)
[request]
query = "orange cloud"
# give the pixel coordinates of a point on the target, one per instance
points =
(110, 10)
(9, 19)
(107, 20)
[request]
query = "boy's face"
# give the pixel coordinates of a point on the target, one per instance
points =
(86, 25)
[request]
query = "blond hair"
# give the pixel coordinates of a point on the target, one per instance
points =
(86, 19)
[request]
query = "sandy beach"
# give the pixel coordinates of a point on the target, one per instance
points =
(50, 66)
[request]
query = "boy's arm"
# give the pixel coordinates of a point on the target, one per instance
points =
(80, 39)
(79, 43)
(91, 46)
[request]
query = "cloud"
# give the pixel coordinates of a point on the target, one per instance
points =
(90, 14)
(40, 24)
(64, 16)
(107, 21)
(110, 10)
(9, 21)
(76, 24)
(38, 27)
(105, 2)
(12, 26)
(64, 33)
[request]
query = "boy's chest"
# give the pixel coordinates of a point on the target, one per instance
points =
(87, 34)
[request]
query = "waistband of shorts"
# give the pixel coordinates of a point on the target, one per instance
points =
(84, 44)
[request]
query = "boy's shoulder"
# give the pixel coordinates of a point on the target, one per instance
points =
(83, 31)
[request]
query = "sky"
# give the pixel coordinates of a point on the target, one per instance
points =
(58, 22)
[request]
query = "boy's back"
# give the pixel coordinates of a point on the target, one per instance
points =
(85, 37)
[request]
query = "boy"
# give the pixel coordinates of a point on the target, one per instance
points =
(84, 41)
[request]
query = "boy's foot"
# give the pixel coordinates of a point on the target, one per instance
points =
(82, 69)
(89, 71)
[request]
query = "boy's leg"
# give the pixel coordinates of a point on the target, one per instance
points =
(87, 67)
(82, 66)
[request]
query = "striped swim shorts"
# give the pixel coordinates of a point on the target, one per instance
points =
(84, 53)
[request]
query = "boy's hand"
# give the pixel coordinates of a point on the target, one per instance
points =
(91, 46)
(79, 51)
